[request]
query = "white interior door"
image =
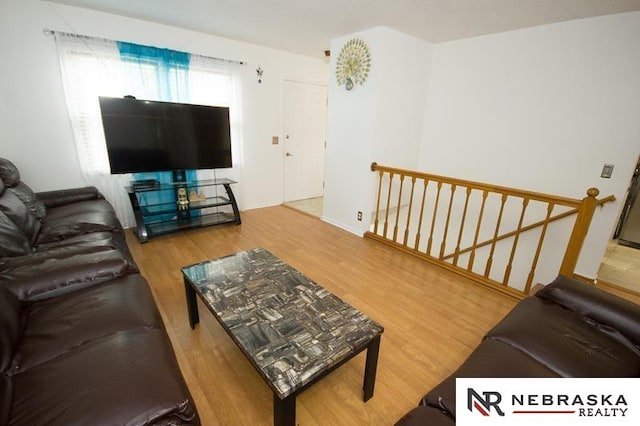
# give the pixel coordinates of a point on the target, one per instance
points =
(305, 119)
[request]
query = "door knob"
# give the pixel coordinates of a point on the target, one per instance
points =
(288, 154)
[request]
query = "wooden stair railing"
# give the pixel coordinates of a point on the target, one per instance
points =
(491, 234)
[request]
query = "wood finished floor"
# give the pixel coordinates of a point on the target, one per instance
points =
(621, 266)
(433, 319)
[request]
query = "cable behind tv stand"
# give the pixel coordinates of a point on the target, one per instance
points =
(164, 208)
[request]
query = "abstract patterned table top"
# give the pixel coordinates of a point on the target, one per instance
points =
(289, 327)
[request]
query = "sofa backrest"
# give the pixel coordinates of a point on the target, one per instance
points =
(29, 198)
(10, 331)
(599, 305)
(13, 242)
(10, 326)
(9, 173)
(10, 177)
(18, 212)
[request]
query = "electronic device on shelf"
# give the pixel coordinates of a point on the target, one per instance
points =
(151, 136)
(140, 184)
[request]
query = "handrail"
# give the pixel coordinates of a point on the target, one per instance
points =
(443, 213)
(478, 185)
(513, 233)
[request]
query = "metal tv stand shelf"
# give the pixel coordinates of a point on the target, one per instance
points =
(170, 207)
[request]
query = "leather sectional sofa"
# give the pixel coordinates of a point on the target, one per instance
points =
(567, 329)
(81, 339)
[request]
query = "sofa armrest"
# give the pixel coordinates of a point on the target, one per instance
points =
(66, 196)
(599, 305)
(52, 276)
(425, 415)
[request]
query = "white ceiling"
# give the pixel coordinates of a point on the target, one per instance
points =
(307, 26)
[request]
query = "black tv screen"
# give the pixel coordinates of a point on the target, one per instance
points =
(151, 136)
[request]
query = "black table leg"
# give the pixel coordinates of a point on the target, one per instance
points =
(284, 411)
(370, 368)
(192, 304)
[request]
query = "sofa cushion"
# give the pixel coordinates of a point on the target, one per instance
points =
(113, 239)
(129, 377)
(12, 241)
(94, 241)
(10, 326)
(77, 219)
(79, 207)
(77, 318)
(492, 358)
(35, 260)
(18, 212)
(568, 343)
(52, 277)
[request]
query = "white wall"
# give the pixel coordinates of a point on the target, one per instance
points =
(380, 121)
(543, 109)
(35, 131)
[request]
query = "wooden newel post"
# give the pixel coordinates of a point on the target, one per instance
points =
(579, 233)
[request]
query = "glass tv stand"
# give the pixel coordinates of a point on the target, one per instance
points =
(170, 207)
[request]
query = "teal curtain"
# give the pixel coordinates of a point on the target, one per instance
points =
(159, 74)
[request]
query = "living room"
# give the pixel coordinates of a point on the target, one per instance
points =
(540, 108)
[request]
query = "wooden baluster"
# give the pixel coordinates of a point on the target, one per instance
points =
(386, 217)
(534, 264)
(472, 256)
(406, 229)
(507, 273)
(424, 195)
(375, 225)
(446, 224)
(487, 269)
(395, 228)
(433, 220)
(464, 217)
(579, 232)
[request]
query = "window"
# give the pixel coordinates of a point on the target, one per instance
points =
(93, 67)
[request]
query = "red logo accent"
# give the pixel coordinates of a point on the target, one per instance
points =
(479, 408)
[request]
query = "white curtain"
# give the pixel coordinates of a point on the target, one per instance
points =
(217, 82)
(93, 67)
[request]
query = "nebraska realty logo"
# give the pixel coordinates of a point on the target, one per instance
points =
(550, 401)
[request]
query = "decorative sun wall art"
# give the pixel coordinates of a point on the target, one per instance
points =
(354, 62)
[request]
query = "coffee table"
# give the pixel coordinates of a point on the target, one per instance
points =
(292, 330)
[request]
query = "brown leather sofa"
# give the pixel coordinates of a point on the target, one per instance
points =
(567, 329)
(81, 339)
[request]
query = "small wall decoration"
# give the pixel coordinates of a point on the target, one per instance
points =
(259, 72)
(354, 62)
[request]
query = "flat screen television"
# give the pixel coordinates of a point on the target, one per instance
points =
(151, 136)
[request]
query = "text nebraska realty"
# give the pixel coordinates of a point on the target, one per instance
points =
(590, 405)
(584, 405)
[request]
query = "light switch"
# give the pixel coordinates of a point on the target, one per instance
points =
(274, 140)
(607, 171)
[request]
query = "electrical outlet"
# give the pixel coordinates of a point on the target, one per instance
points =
(360, 216)
(607, 171)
